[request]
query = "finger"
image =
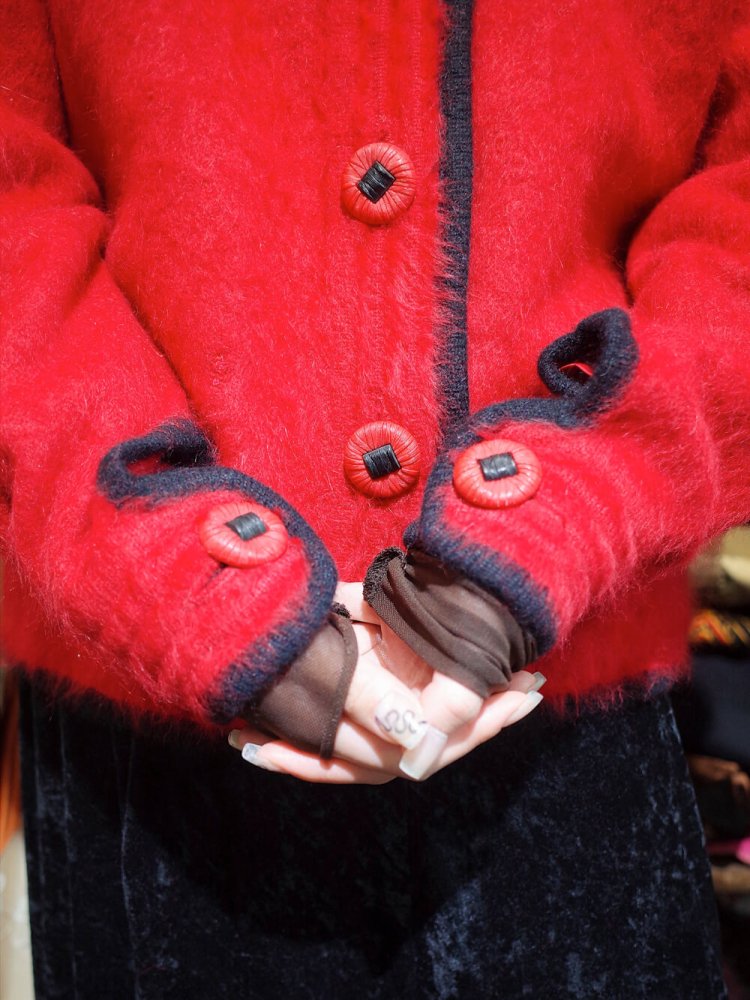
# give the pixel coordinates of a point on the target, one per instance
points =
(367, 636)
(237, 738)
(401, 660)
(353, 744)
(308, 767)
(524, 681)
(283, 758)
(498, 712)
(447, 706)
(357, 745)
(383, 705)
(504, 708)
(350, 595)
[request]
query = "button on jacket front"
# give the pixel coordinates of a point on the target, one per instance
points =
(514, 222)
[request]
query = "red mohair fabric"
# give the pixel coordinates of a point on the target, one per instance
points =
(173, 247)
(635, 195)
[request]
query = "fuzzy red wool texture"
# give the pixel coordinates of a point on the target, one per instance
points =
(173, 247)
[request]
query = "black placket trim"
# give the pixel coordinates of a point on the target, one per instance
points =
(456, 168)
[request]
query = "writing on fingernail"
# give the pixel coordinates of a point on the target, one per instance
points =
(401, 722)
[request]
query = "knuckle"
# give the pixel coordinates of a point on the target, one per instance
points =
(460, 709)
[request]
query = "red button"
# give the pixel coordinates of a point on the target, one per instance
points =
(497, 473)
(378, 183)
(381, 460)
(243, 534)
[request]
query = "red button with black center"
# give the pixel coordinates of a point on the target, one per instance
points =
(243, 534)
(378, 183)
(381, 460)
(497, 473)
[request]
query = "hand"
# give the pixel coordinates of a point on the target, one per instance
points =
(450, 709)
(436, 719)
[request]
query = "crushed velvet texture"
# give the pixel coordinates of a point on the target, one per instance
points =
(562, 860)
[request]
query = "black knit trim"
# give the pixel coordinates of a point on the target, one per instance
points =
(178, 449)
(183, 458)
(456, 169)
(604, 341)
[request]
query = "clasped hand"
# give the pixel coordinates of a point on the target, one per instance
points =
(401, 718)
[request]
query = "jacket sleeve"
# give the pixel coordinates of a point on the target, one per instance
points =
(639, 451)
(123, 573)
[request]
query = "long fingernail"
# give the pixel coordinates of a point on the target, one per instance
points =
(527, 705)
(418, 761)
(250, 754)
(234, 739)
(401, 720)
(539, 681)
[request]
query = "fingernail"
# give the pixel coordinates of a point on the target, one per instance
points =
(250, 754)
(539, 681)
(234, 739)
(527, 705)
(401, 719)
(418, 761)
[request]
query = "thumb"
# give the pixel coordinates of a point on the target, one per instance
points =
(352, 597)
(448, 706)
(383, 705)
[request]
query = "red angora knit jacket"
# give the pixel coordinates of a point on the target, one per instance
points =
(279, 280)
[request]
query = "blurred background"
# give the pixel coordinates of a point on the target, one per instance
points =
(713, 715)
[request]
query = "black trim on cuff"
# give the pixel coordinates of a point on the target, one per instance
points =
(605, 341)
(179, 461)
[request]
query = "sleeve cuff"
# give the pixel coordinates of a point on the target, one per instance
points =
(454, 625)
(304, 706)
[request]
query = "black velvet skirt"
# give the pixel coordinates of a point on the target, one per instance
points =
(563, 859)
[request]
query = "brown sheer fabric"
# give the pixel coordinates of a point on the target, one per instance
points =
(454, 625)
(305, 705)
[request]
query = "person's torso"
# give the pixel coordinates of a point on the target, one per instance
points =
(219, 134)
